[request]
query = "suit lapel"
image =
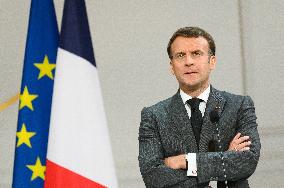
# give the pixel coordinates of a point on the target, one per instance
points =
(181, 123)
(215, 100)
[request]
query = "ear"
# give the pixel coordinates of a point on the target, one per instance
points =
(172, 68)
(212, 62)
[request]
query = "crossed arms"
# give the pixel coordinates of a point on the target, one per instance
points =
(160, 171)
(239, 143)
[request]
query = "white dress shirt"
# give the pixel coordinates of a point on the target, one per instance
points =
(191, 157)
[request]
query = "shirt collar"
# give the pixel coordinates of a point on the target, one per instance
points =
(204, 95)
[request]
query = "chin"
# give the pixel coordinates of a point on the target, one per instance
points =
(191, 85)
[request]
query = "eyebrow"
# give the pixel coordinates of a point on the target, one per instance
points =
(181, 52)
(194, 51)
(197, 51)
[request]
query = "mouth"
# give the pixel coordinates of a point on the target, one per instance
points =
(191, 72)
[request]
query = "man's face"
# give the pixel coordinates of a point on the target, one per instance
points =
(191, 63)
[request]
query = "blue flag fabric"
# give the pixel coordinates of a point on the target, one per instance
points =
(36, 96)
(75, 35)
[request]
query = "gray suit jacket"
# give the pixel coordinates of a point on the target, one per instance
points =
(165, 130)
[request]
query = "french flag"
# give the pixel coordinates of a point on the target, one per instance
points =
(79, 153)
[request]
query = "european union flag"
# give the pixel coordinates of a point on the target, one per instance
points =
(36, 96)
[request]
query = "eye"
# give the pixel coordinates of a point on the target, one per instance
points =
(179, 55)
(196, 53)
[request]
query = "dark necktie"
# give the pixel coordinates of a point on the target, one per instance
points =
(196, 117)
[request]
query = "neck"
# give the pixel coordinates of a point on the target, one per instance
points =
(195, 91)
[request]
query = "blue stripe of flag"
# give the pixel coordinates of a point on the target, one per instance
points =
(75, 35)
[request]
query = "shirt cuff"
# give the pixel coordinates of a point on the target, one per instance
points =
(191, 161)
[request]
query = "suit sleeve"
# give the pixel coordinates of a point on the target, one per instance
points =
(232, 165)
(153, 170)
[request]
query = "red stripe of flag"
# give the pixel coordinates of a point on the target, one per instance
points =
(58, 176)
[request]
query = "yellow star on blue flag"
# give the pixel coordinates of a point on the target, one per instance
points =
(45, 68)
(26, 99)
(24, 136)
(37, 169)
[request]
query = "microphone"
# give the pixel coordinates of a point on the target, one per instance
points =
(214, 118)
(214, 115)
(211, 146)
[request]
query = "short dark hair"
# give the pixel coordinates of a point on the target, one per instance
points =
(192, 32)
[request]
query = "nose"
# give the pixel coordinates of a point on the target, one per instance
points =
(188, 60)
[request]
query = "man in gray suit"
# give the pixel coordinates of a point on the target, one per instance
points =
(200, 134)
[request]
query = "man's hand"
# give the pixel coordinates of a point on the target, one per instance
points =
(176, 162)
(239, 143)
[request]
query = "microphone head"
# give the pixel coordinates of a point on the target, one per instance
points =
(211, 146)
(214, 116)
